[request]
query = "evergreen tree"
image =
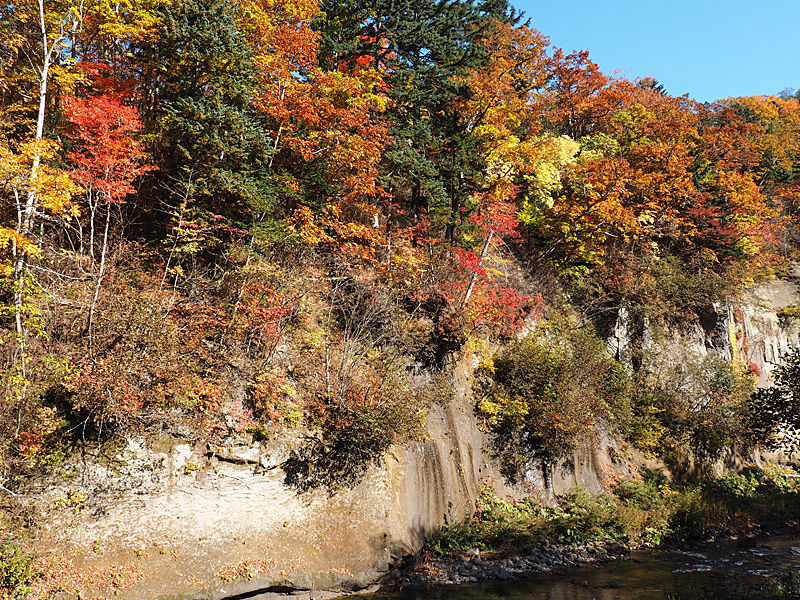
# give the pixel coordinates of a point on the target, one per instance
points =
(425, 50)
(209, 132)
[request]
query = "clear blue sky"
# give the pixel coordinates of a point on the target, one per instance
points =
(709, 49)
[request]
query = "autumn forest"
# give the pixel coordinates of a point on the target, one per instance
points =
(268, 214)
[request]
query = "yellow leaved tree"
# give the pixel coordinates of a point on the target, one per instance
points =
(36, 38)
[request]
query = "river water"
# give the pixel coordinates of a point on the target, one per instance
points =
(719, 571)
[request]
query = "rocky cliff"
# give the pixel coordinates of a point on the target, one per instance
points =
(754, 329)
(168, 517)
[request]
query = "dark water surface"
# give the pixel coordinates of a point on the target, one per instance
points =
(718, 571)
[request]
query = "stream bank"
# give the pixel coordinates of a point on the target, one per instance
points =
(748, 568)
(534, 560)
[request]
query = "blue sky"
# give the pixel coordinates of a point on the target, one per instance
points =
(709, 49)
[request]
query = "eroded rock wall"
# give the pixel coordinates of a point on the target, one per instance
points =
(171, 518)
(754, 330)
(168, 517)
(748, 329)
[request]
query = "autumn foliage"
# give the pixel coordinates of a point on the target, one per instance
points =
(257, 215)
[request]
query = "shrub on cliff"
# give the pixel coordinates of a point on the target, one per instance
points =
(773, 414)
(345, 377)
(690, 412)
(542, 394)
(16, 571)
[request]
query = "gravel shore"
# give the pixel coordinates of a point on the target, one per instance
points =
(482, 566)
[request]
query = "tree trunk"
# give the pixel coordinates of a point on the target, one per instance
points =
(25, 217)
(475, 274)
(100, 276)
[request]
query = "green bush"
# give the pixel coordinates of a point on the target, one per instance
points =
(736, 486)
(542, 394)
(644, 511)
(691, 410)
(582, 517)
(577, 518)
(696, 516)
(16, 571)
(646, 430)
(497, 525)
(785, 479)
(645, 494)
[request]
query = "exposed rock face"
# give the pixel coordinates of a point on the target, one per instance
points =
(595, 465)
(764, 335)
(176, 519)
(748, 329)
(179, 519)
